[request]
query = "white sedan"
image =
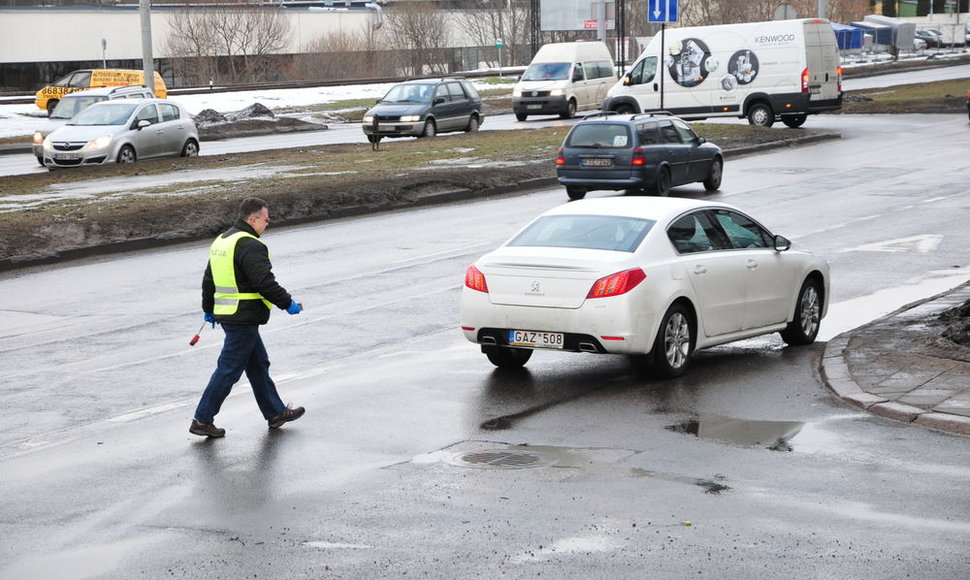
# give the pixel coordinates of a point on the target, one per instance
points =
(652, 278)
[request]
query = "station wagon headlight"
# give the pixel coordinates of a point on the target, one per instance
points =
(38, 138)
(410, 118)
(99, 143)
(556, 93)
(368, 118)
(516, 92)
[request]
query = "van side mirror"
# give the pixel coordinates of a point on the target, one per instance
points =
(782, 243)
(627, 80)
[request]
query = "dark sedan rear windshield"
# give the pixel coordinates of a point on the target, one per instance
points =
(594, 232)
(599, 135)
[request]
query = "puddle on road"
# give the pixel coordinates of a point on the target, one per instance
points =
(773, 435)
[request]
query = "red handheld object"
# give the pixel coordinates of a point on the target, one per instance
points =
(196, 338)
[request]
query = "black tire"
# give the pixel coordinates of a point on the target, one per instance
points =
(127, 155)
(190, 149)
(761, 115)
(575, 193)
(570, 111)
(521, 116)
(625, 109)
(794, 121)
(662, 186)
(472, 124)
(713, 181)
(430, 129)
(40, 159)
(674, 344)
(372, 139)
(507, 358)
(803, 329)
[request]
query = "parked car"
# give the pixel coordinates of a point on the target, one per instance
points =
(654, 279)
(73, 103)
(637, 153)
(932, 38)
(123, 131)
(424, 108)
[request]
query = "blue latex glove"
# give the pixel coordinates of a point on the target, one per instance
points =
(210, 317)
(294, 307)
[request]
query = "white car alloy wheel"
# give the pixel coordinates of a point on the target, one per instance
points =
(672, 348)
(803, 329)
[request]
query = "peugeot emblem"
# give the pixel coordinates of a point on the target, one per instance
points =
(534, 287)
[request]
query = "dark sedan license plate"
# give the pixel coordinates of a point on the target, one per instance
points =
(597, 162)
(535, 339)
(533, 107)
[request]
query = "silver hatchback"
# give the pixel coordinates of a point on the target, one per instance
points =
(121, 132)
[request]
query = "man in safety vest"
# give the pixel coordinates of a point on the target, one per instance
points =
(238, 291)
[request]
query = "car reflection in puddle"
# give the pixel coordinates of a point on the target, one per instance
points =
(773, 435)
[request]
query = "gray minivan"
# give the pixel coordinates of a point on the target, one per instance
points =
(424, 108)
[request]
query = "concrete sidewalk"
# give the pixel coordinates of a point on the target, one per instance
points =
(899, 367)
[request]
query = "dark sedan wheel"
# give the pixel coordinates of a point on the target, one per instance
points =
(662, 186)
(507, 358)
(472, 124)
(430, 130)
(808, 312)
(521, 116)
(794, 121)
(713, 181)
(127, 155)
(575, 193)
(674, 344)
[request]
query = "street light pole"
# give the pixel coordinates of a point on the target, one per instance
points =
(147, 59)
(104, 47)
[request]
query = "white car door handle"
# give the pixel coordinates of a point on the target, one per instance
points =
(752, 265)
(698, 269)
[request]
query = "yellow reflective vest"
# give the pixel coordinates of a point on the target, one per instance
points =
(221, 262)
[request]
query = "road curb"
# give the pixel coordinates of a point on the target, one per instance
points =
(833, 369)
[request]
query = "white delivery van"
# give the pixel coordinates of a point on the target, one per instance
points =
(564, 78)
(783, 69)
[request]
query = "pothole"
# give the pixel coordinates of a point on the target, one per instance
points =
(773, 435)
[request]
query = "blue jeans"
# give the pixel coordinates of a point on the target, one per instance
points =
(242, 350)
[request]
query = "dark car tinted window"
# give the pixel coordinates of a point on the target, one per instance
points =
(441, 91)
(599, 135)
(648, 134)
(594, 232)
(457, 94)
(470, 90)
(687, 134)
(668, 132)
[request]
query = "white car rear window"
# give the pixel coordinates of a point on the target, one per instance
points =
(595, 232)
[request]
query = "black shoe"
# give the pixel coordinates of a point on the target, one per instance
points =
(287, 415)
(206, 429)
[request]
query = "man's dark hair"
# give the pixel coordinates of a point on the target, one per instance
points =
(251, 205)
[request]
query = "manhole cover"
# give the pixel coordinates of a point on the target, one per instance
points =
(501, 459)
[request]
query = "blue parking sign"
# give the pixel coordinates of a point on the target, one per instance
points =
(662, 11)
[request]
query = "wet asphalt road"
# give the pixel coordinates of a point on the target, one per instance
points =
(601, 474)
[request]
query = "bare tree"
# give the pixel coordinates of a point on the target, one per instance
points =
(418, 31)
(242, 39)
(495, 20)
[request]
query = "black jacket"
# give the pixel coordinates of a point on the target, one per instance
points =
(254, 273)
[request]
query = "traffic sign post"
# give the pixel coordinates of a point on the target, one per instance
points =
(662, 11)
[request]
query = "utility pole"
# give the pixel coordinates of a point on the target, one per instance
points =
(148, 66)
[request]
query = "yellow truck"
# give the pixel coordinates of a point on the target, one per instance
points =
(48, 97)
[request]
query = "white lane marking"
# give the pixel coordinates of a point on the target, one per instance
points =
(146, 412)
(922, 244)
